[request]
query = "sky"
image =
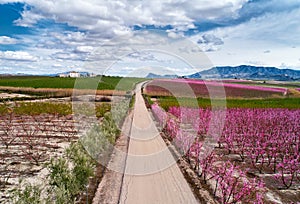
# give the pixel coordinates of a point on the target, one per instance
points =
(134, 37)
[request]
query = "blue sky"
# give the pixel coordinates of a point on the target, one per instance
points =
(118, 37)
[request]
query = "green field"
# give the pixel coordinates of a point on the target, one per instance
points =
(290, 103)
(105, 82)
(270, 84)
(37, 108)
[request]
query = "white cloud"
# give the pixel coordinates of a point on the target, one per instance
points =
(209, 42)
(105, 32)
(175, 35)
(5, 40)
(267, 40)
(66, 56)
(17, 56)
(145, 56)
(109, 23)
(278, 28)
(28, 19)
(115, 17)
(57, 65)
(206, 9)
(210, 39)
(84, 49)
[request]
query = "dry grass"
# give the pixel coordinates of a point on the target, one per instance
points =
(294, 93)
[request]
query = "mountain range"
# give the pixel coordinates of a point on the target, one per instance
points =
(156, 76)
(241, 72)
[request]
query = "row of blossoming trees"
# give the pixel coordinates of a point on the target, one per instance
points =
(261, 141)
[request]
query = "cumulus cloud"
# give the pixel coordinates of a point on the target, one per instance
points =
(106, 29)
(189, 50)
(210, 39)
(209, 42)
(202, 9)
(175, 35)
(84, 49)
(66, 56)
(28, 19)
(278, 28)
(115, 17)
(144, 56)
(272, 30)
(57, 65)
(254, 9)
(5, 40)
(17, 56)
(70, 39)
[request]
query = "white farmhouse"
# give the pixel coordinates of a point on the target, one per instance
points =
(64, 75)
(74, 74)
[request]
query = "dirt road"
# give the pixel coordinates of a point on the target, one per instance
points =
(151, 174)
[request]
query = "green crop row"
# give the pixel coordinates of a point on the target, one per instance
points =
(290, 103)
(37, 108)
(104, 82)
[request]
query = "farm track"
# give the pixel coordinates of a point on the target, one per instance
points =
(151, 173)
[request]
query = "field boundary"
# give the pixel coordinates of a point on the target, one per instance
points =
(109, 189)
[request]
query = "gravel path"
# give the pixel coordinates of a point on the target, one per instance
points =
(148, 173)
(151, 173)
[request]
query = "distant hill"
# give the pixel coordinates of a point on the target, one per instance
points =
(155, 76)
(248, 72)
(11, 75)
